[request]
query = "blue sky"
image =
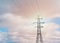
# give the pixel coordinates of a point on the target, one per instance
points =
(56, 20)
(3, 29)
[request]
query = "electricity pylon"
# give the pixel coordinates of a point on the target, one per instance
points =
(39, 38)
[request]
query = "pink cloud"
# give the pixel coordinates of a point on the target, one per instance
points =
(22, 29)
(28, 8)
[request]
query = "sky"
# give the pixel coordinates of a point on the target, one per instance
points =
(18, 17)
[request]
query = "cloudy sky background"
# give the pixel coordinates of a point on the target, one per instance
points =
(17, 17)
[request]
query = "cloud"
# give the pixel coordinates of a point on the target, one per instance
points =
(3, 37)
(17, 28)
(21, 30)
(20, 25)
(28, 8)
(51, 32)
(5, 6)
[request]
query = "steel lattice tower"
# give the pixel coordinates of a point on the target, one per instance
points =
(39, 38)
